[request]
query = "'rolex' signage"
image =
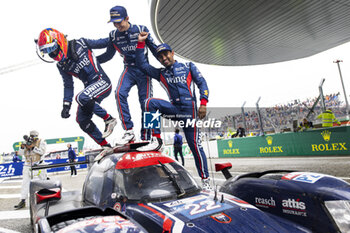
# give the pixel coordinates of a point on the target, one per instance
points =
(325, 141)
(270, 148)
(335, 146)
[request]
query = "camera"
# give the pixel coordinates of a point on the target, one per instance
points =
(28, 140)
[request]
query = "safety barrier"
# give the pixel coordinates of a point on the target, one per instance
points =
(15, 169)
(324, 141)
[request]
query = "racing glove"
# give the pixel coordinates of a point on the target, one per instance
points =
(65, 110)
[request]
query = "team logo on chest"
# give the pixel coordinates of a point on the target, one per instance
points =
(129, 48)
(177, 79)
(81, 64)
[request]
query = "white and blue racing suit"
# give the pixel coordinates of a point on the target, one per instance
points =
(178, 81)
(125, 43)
(82, 63)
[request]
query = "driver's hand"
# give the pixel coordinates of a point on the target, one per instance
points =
(142, 36)
(202, 111)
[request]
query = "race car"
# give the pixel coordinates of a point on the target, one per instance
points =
(318, 202)
(155, 194)
(54, 211)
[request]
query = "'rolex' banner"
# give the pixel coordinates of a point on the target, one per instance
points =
(324, 141)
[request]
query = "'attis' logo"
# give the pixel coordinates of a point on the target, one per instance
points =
(151, 120)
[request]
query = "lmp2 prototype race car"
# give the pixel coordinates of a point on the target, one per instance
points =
(318, 202)
(149, 192)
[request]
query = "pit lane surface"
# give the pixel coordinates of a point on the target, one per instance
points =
(12, 221)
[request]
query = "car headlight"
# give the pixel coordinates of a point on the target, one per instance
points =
(340, 211)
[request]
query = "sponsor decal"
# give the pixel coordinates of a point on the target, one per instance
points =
(294, 207)
(179, 68)
(265, 202)
(196, 207)
(184, 201)
(136, 159)
(107, 223)
(221, 218)
(270, 149)
(231, 151)
(128, 48)
(177, 79)
(96, 88)
(303, 177)
(117, 206)
(7, 170)
(81, 64)
(326, 135)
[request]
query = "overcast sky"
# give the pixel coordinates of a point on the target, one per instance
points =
(31, 97)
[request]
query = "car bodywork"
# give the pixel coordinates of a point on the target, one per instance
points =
(153, 193)
(319, 202)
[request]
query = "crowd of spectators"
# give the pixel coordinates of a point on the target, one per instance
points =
(282, 116)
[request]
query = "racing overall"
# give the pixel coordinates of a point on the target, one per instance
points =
(125, 43)
(178, 81)
(81, 63)
(32, 158)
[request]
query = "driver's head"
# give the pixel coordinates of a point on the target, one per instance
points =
(52, 43)
(119, 18)
(165, 55)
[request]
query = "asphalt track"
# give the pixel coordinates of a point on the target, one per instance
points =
(12, 221)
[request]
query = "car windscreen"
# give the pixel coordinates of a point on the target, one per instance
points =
(152, 183)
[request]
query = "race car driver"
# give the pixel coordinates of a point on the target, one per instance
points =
(75, 58)
(124, 40)
(178, 80)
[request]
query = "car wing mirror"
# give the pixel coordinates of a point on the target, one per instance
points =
(46, 195)
(224, 168)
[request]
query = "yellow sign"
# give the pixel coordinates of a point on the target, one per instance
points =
(329, 147)
(270, 149)
(269, 140)
(233, 151)
(60, 140)
(326, 135)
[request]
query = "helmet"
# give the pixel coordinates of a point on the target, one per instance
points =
(52, 43)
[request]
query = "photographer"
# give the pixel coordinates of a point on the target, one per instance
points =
(33, 150)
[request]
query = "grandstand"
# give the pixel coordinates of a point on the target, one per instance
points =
(284, 117)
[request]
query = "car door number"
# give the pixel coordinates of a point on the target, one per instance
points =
(202, 207)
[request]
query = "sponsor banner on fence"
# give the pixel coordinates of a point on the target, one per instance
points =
(15, 169)
(324, 141)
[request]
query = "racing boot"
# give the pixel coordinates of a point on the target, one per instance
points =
(129, 136)
(154, 145)
(206, 184)
(21, 204)
(109, 126)
(106, 150)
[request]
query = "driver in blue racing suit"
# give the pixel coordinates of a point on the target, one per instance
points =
(75, 58)
(178, 80)
(124, 40)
